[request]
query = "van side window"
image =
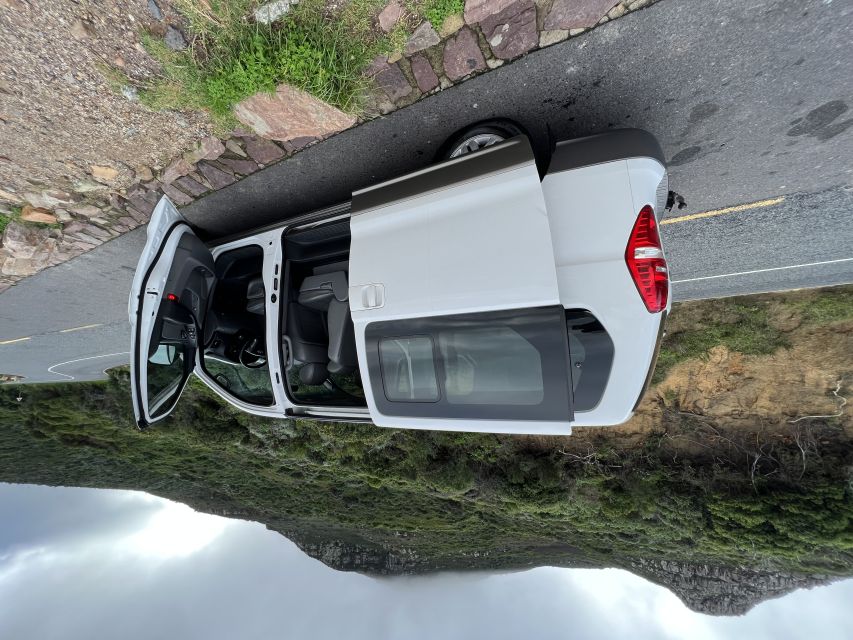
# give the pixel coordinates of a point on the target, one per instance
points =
(490, 365)
(408, 369)
(499, 365)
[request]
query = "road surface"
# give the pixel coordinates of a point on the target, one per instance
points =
(750, 102)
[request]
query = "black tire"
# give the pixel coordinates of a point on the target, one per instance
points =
(505, 129)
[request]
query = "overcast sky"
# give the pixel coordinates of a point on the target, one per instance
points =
(85, 563)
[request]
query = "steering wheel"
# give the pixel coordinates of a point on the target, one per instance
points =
(253, 354)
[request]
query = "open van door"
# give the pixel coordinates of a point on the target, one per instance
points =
(454, 298)
(168, 299)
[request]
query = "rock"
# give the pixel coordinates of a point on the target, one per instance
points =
(143, 200)
(462, 55)
(209, 148)
(137, 215)
(494, 63)
(62, 215)
(300, 143)
(291, 113)
(154, 10)
(143, 173)
(243, 167)
(547, 38)
(451, 25)
(396, 56)
(424, 74)
(617, 12)
(389, 78)
(577, 14)
(9, 197)
(476, 10)
(424, 37)
(262, 151)
(192, 187)
(390, 15)
(107, 174)
(234, 147)
(216, 176)
(23, 241)
(512, 32)
(174, 39)
(128, 222)
(271, 11)
(49, 199)
(176, 195)
(179, 167)
(87, 186)
(36, 214)
(82, 29)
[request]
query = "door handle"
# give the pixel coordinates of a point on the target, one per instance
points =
(373, 296)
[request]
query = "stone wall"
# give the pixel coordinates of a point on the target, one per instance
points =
(52, 225)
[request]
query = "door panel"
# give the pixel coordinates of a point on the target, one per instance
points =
(468, 235)
(173, 280)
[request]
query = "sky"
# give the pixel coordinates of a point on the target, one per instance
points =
(91, 563)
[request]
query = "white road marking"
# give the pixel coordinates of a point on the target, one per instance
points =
(85, 326)
(106, 355)
(14, 340)
(746, 273)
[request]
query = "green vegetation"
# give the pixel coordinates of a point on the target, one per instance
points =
(437, 11)
(745, 328)
(444, 496)
(687, 489)
(832, 305)
(314, 48)
(4, 220)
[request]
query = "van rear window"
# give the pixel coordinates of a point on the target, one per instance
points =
(591, 352)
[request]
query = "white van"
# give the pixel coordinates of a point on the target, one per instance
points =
(474, 295)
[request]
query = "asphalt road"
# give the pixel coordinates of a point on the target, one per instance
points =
(750, 102)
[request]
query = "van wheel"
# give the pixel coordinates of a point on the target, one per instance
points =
(480, 136)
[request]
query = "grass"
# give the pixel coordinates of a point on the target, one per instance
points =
(436, 500)
(437, 11)
(231, 58)
(4, 221)
(833, 305)
(738, 326)
(448, 494)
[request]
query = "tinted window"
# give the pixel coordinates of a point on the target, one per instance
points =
(592, 356)
(500, 365)
(252, 385)
(408, 369)
(490, 365)
(165, 373)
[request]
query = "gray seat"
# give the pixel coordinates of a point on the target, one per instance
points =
(328, 293)
(255, 296)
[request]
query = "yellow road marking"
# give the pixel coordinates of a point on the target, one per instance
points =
(720, 212)
(85, 326)
(14, 340)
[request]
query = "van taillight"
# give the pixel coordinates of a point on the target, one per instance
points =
(644, 256)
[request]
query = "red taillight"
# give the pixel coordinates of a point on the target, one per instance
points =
(644, 256)
(171, 297)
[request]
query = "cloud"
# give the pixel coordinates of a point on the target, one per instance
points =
(86, 575)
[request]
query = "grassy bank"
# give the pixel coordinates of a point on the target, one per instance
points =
(758, 493)
(320, 47)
